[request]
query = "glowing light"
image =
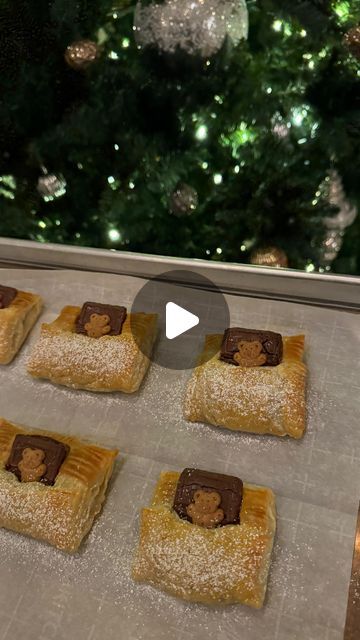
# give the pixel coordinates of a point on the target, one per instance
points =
(125, 43)
(298, 115)
(218, 178)
(111, 179)
(243, 247)
(218, 99)
(236, 168)
(115, 15)
(80, 166)
(58, 223)
(113, 55)
(219, 251)
(77, 235)
(302, 141)
(114, 235)
(342, 10)
(201, 132)
(116, 147)
(311, 64)
(42, 224)
(310, 267)
(277, 24)
(303, 33)
(204, 165)
(131, 185)
(269, 90)
(207, 252)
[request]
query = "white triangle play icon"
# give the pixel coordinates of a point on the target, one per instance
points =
(178, 320)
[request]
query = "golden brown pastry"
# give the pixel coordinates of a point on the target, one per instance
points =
(221, 560)
(51, 486)
(80, 349)
(233, 387)
(19, 311)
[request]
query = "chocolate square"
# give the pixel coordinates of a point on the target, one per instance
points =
(230, 489)
(116, 314)
(55, 454)
(272, 344)
(7, 295)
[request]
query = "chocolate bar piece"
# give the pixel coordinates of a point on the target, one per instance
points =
(116, 314)
(229, 488)
(272, 344)
(55, 454)
(7, 295)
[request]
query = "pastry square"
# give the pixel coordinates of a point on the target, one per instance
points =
(223, 565)
(19, 311)
(66, 355)
(56, 498)
(258, 399)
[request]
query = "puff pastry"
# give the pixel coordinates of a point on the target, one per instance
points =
(266, 399)
(16, 321)
(61, 514)
(109, 363)
(228, 564)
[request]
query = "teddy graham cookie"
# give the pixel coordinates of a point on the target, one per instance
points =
(19, 311)
(98, 347)
(51, 486)
(207, 537)
(250, 380)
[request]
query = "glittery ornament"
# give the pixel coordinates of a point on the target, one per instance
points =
(80, 54)
(197, 27)
(334, 193)
(183, 200)
(51, 186)
(269, 257)
(332, 190)
(352, 41)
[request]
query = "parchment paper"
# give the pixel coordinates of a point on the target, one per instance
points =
(46, 595)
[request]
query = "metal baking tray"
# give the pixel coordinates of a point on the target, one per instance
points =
(314, 584)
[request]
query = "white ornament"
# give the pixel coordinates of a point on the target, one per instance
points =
(198, 27)
(347, 212)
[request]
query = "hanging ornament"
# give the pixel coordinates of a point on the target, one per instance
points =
(333, 191)
(197, 27)
(80, 54)
(183, 200)
(269, 257)
(51, 186)
(352, 41)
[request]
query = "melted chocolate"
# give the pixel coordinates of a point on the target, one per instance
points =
(116, 314)
(272, 344)
(55, 454)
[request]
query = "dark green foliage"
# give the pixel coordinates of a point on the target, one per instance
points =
(122, 133)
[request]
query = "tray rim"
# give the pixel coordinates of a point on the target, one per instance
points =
(330, 290)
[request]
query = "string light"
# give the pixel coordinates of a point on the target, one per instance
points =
(236, 168)
(310, 267)
(219, 251)
(204, 165)
(125, 43)
(42, 224)
(114, 235)
(116, 147)
(277, 24)
(111, 179)
(113, 55)
(218, 178)
(201, 132)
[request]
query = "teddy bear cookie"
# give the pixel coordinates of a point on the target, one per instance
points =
(51, 486)
(98, 347)
(19, 311)
(250, 380)
(207, 537)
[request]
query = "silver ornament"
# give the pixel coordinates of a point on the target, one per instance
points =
(197, 27)
(183, 200)
(51, 186)
(336, 196)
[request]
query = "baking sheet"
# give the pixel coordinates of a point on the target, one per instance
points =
(46, 595)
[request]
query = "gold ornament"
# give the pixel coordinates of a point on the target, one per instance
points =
(80, 54)
(269, 257)
(352, 41)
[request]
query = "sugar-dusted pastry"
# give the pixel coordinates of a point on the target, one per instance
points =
(98, 347)
(250, 380)
(207, 537)
(19, 311)
(51, 486)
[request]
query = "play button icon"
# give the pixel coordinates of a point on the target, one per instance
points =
(178, 320)
(189, 307)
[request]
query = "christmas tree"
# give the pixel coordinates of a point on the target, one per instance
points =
(172, 128)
